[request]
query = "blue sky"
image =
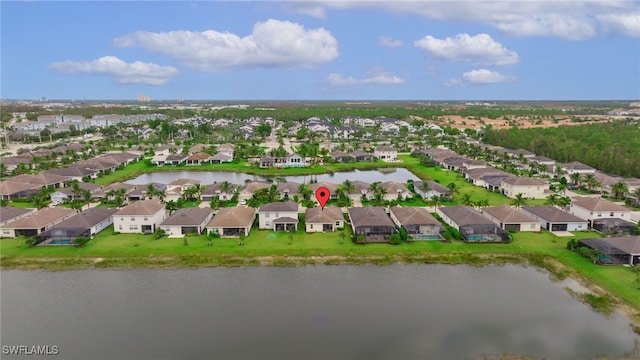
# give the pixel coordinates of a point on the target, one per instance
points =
(324, 50)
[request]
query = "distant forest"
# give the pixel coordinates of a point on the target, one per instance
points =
(612, 147)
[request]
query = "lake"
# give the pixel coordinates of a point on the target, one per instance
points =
(209, 177)
(314, 312)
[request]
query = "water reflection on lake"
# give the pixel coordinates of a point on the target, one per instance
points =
(209, 177)
(314, 312)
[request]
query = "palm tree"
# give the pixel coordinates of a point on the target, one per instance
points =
(119, 197)
(424, 187)
(437, 201)
(87, 197)
(483, 203)
(553, 199)
(519, 200)
(453, 189)
(619, 189)
(348, 187)
(591, 181)
(575, 178)
(225, 187)
(172, 206)
(466, 200)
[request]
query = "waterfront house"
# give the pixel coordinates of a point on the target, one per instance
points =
(616, 250)
(433, 189)
(198, 158)
(417, 222)
(323, 220)
(247, 191)
(83, 224)
(35, 222)
(360, 155)
(333, 188)
(142, 217)
(472, 225)
(215, 191)
(554, 219)
(395, 190)
(509, 218)
(187, 221)
(602, 215)
(371, 222)
(278, 216)
(233, 222)
(8, 213)
(386, 153)
(341, 156)
(221, 157)
(288, 189)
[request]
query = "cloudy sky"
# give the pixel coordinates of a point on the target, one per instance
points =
(325, 50)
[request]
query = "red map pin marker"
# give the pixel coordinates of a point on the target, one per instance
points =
(323, 194)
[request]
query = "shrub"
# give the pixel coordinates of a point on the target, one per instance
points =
(361, 239)
(31, 242)
(81, 241)
(403, 234)
(395, 239)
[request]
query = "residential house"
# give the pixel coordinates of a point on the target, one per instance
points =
(602, 215)
(395, 190)
(8, 213)
(226, 149)
(35, 222)
(288, 189)
(247, 191)
(360, 189)
(417, 222)
(198, 158)
(42, 179)
(187, 221)
(142, 216)
(11, 190)
(386, 153)
(267, 161)
(372, 223)
(616, 250)
(488, 178)
(341, 156)
(360, 155)
(554, 219)
(328, 219)
(67, 194)
(333, 189)
(233, 222)
(105, 191)
(83, 224)
(215, 191)
(221, 157)
(530, 188)
(433, 189)
(510, 219)
(140, 192)
(472, 225)
(74, 173)
(279, 216)
(575, 167)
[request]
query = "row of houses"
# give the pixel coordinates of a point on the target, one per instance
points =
(63, 122)
(174, 155)
(25, 185)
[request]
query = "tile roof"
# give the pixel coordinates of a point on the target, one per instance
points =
(524, 181)
(240, 216)
(7, 212)
(317, 215)
(413, 216)
(188, 216)
(369, 216)
(507, 214)
(87, 218)
(142, 207)
(465, 215)
(40, 218)
(551, 214)
(279, 206)
(597, 204)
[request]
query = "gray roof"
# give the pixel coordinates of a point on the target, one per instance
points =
(524, 181)
(240, 216)
(316, 215)
(465, 215)
(188, 216)
(385, 148)
(72, 171)
(552, 214)
(507, 214)
(279, 206)
(40, 218)
(413, 216)
(439, 188)
(7, 213)
(627, 244)
(597, 204)
(142, 207)
(87, 218)
(369, 216)
(216, 188)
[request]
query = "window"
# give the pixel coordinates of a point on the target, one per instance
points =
(599, 214)
(310, 226)
(337, 223)
(146, 218)
(133, 219)
(121, 219)
(266, 215)
(133, 227)
(532, 226)
(611, 214)
(5, 231)
(119, 227)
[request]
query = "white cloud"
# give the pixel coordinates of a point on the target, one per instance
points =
(480, 49)
(123, 73)
(374, 78)
(390, 42)
(571, 20)
(627, 24)
(272, 43)
(480, 77)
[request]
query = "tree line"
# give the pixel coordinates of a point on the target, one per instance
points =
(612, 147)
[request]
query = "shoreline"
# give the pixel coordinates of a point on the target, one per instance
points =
(557, 271)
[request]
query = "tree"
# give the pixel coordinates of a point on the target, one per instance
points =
(619, 189)
(348, 186)
(453, 189)
(466, 200)
(575, 178)
(437, 201)
(225, 187)
(171, 206)
(519, 200)
(591, 181)
(87, 197)
(553, 199)
(263, 130)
